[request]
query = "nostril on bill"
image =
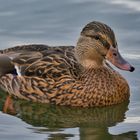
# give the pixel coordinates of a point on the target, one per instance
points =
(132, 69)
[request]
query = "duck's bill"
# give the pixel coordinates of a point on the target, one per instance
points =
(116, 59)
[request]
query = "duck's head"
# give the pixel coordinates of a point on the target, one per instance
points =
(96, 44)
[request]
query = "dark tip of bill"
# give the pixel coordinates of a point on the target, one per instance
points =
(132, 69)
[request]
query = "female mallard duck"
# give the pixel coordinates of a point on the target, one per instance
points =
(66, 75)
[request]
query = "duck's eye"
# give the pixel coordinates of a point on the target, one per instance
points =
(97, 37)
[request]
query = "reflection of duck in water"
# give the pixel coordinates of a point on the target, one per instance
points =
(68, 76)
(93, 123)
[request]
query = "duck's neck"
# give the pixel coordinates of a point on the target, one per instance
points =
(91, 64)
(87, 54)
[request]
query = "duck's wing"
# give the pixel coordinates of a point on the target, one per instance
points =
(43, 61)
(55, 64)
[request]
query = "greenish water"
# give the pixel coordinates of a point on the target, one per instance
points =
(59, 23)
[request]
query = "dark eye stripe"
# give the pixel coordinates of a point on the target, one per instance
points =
(105, 43)
(97, 37)
(100, 39)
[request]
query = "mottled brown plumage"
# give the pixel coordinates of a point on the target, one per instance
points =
(67, 75)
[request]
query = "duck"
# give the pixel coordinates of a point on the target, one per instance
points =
(77, 76)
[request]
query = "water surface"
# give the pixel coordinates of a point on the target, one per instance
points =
(59, 23)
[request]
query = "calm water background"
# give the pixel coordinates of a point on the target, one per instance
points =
(59, 23)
